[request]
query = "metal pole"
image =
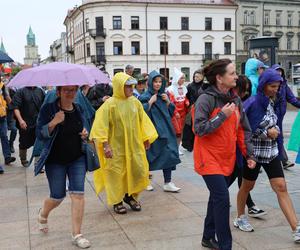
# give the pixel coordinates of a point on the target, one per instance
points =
(165, 53)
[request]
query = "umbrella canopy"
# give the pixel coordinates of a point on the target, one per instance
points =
(59, 74)
(4, 58)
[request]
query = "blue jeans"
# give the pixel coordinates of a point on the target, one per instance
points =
(56, 175)
(217, 216)
(167, 175)
(4, 138)
(11, 124)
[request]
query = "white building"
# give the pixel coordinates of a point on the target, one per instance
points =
(151, 35)
(58, 49)
(280, 18)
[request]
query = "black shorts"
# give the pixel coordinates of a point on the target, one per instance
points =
(273, 170)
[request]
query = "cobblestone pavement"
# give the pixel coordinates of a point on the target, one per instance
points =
(167, 221)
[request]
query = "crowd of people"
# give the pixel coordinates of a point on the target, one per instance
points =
(141, 124)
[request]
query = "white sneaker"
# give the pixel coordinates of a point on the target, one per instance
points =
(296, 234)
(170, 187)
(243, 224)
(150, 188)
(80, 241)
(180, 152)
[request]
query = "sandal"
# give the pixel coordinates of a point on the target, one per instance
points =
(134, 205)
(81, 242)
(43, 225)
(119, 208)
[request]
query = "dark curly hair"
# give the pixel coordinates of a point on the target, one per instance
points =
(215, 68)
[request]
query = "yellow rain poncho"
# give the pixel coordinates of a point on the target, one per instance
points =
(122, 122)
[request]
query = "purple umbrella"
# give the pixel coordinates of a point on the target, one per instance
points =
(59, 74)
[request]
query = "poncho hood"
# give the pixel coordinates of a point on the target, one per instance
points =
(118, 83)
(152, 75)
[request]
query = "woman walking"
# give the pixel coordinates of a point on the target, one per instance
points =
(263, 121)
(163, 154)
(219, 124)
(61, 125)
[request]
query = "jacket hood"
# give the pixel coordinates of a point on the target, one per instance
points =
(267, 77)
(118, 83)
(251, 67)
(174, 87)
(152, 75)
(176, 76)
(276, 67)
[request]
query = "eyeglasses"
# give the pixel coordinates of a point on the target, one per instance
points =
(69, 91)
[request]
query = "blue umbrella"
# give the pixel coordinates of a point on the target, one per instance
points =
(4, 58)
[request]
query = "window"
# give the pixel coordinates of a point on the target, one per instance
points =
(163, 22)
(117, 22)
(290, 19)
(208, 51)
(88, 50)
(208, 23)
(252, 17)
(246, 17)
(278, 18)
(135, 48)
(118, 70)
(298, 42)
(289, 43)
(298, 18)
(87, 24)
(246, 42)
(267, 18)
(184, 23)
(227, 48)
(185, 48)
(186, 72)
(118, 48)
(227, 24)
(165, 72)
(135, 23)
(164, 48)
(99, 25)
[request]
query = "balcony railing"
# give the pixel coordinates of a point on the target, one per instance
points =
(98, 59)
(97, 33)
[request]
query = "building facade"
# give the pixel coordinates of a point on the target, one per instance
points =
(279, 18)
(156, 35)
(58, 49)
(31, 49)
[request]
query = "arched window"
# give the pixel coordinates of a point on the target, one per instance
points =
(252, 17)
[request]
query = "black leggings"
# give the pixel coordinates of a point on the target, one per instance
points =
(238, 173)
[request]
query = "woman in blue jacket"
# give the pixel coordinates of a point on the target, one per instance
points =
(62, 126)
(284, 95)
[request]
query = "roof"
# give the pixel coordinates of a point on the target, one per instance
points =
(205, 2)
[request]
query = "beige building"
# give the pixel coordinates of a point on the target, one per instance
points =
(31, 50)
(279, 18)
(151, 35)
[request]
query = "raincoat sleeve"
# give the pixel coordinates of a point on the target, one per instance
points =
(42, 131)
(17, 99)
(100, 128)
(203, 123)
(148, 130)
(291, 98)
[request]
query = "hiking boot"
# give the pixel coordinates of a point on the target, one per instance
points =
(256, 212)
(211, 243)
(243, 224)
(12, 149)
(9, 160)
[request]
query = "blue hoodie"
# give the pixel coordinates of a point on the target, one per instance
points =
(251, 72)
(256, 106)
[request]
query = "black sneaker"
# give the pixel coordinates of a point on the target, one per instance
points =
(1, 170)
(211, 243)
(9, 160)
(256, 212)
(287, 164)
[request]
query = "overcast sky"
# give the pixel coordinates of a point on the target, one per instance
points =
(45, 17)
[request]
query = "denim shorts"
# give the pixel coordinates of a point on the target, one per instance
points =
(56, 175)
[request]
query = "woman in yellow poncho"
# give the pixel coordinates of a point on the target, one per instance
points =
(122, 131)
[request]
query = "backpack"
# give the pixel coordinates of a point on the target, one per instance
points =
(3, 104)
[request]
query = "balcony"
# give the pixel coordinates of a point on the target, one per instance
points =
(97, 33)
(70, 49)
(207, 56)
